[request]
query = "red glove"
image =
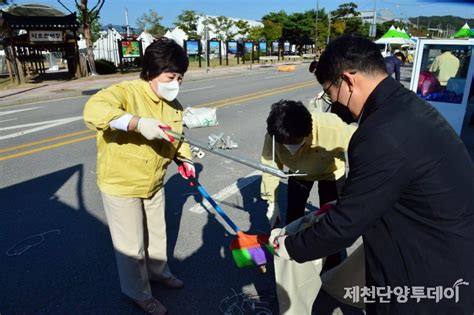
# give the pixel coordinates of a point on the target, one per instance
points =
(166, 127)
(325, 208)
(186, 169)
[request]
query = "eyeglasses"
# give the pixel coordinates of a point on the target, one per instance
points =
(325, 96)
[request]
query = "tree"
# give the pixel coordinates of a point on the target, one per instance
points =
(4, 2)
(243, 27)
(345, 10)
(354, 26)
(88, 17)
(221, 26)
(188, 22)
(256, 33)
(95, 25)
(272, 31)
(150, 22)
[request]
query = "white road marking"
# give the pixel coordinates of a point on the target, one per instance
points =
(46, 125)
(226, 192)
(279, 76)
(197, 89)
(9, 112)
(8, 120)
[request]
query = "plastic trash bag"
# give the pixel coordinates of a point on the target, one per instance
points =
(200, 117)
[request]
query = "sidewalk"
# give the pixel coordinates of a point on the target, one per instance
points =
(54, 89)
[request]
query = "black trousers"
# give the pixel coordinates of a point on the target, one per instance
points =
(298, 194)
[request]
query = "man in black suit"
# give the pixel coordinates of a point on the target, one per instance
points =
(409, 192)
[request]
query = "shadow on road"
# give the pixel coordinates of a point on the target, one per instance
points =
(58, 258)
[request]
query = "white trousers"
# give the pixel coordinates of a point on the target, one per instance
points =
(138, 231)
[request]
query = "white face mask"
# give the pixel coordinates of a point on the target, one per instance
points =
(293, 148)
(168, 90)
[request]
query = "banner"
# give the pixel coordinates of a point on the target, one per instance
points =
(192, 47)
(130, 48)
(45, 36)
(232, 47)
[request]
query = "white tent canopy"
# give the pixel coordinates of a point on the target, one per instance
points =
(177, 34)
(146, 39)
(395, 41)
(106, 46)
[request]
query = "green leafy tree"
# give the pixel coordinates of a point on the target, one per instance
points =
(271, 31)
(256, 33)
(221, 26)
(150, 22)
(243, 27)
(188, 22)
(345, 10)
(276, 17)
(354, 25)
(95, 25)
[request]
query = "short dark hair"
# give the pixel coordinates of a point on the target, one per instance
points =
(401, 55)
(289, 119)
(349, 52)
(163, 55)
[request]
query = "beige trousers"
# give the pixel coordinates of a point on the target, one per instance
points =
(138, 231)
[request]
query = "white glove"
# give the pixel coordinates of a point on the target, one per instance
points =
(273, 213)
(152, 129)
(278, 243)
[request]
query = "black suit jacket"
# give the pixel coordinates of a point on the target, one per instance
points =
(410, 194)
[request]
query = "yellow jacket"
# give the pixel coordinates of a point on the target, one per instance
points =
(446, 66)
(128, 164)
(321, 156)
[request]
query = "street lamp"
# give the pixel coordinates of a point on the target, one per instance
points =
(316, 37)
(373, 27)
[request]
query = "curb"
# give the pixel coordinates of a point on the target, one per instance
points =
(94, 88)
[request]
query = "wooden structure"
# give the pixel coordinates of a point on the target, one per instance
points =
(29, 31)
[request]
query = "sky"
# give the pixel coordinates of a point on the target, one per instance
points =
(113, 11)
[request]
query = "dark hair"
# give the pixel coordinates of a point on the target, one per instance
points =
(399, 54)
(163, 55)
(289, 119)
(349, 52)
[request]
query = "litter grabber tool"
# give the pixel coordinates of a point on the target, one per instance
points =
(233, 157)
(247, 250)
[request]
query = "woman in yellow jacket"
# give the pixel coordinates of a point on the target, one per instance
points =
(133, 153)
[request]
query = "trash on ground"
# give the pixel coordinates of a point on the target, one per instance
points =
(200, 117)
(197, 152)
(221, 142)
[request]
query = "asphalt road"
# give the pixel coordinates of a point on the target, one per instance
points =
(57, 256)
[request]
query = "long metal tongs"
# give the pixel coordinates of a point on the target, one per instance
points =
(235, 158)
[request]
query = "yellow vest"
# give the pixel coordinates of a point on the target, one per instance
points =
(128, 164)
(322, 155)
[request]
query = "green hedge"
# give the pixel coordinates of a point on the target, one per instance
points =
(103, 66)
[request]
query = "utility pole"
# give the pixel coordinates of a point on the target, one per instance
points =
(329, 27)
(127, 27)
(373, 27)
(206, 38)
(316, 37)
